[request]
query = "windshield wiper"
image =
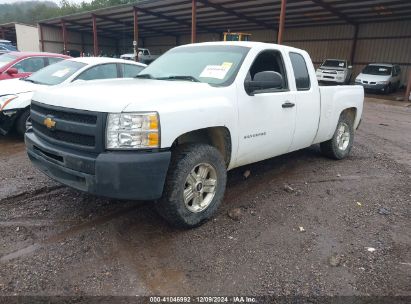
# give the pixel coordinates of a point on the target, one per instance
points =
(29, 80)
(33, 81)
(180, 77)
(144, 76)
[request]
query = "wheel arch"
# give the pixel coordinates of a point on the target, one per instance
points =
(218, 137)
(351, 113)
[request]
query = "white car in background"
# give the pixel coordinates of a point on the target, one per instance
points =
(16, 94)
(380, 77)
(334, 71)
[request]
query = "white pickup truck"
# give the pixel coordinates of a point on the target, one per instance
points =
(145, 57)
(198, 111)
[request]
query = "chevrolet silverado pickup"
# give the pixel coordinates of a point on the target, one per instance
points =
(171, 134)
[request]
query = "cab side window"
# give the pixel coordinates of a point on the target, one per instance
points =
(130, 70)
(102, 71)
(30, 65)
(269, 61)
(302, 78)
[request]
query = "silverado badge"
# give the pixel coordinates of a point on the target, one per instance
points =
(49, 123)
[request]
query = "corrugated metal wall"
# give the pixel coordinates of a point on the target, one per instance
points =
(53, 42)
(388, 42)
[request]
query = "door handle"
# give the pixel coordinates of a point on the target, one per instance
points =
(288, 104)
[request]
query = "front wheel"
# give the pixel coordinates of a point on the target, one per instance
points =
(339, 146)
(194, 187)
(388, 89)
(23, 122)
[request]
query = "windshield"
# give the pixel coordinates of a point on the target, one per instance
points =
(6, 59)
(334, 64)
(215, 65)
(56, 73)
(9, 47)
(377, 70)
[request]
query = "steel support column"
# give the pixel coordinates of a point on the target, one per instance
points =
(194, 21)
(282, 22)
(408, 90)
(95, 38)
(41, 34)
(135, 17)
(354, 44)
(82, 44)
(64, 32)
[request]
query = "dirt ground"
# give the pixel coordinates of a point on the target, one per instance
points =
(355, 217)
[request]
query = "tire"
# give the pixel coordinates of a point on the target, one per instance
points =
(188, 161)
(340, 145)
(21, 123)
(388, 89)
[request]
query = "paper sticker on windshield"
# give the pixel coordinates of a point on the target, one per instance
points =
(382, 70)
(341, 64)
(61, 73)
(216, 71)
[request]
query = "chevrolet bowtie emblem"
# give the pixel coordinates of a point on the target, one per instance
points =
(49, 123)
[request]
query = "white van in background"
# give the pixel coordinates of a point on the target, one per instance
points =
(380, 77)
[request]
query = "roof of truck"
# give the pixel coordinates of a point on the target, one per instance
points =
(249, 44)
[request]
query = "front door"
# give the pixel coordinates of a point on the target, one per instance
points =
(267, 118)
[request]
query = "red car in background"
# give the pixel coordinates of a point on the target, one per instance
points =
(22, 64)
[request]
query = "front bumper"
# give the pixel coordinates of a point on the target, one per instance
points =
(373, 87)
(122, 175)
(7, 120)
(332, 78)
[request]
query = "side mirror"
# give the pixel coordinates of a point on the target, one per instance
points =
(264, 81)
(12, 71)
(350, 66)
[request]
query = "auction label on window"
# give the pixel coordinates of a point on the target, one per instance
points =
(216, 71)
(61, 73)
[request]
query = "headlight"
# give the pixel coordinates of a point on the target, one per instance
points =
(133, 131)
(5, 99)
(358, 80)
(383, 82)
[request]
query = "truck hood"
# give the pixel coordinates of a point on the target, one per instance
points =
(115, 95)
(17, 86)
(373, 78)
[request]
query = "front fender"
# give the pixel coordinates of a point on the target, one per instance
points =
(183, 117)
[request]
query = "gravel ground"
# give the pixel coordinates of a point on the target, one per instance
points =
(300, 224)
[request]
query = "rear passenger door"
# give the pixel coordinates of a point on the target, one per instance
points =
(307, 100)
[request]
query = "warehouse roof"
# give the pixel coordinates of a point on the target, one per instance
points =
(173, 17)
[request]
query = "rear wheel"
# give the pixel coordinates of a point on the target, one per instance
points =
(339, 146)
(23, 122)
(194, 187)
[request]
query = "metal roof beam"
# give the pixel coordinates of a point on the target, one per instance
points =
(130, 24)
(334, 11)
(91, 26)
(228, 11)
(175, 20)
